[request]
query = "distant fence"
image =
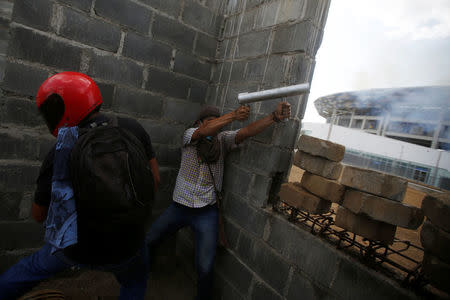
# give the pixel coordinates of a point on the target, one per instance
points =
(410, 170)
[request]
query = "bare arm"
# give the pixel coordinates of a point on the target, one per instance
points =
(155, 170)
(39, 212)
(212, 127)
(283, 111)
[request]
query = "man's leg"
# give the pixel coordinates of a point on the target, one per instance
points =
(205, 227)
(29, 271)
(170, 221)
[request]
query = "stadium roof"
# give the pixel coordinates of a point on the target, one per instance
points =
(382, 100)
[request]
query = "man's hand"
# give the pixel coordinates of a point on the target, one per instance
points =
(283, 110)
(242, 113)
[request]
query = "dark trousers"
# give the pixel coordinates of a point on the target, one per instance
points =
(203, 222)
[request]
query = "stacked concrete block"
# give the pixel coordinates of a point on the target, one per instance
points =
(372, 205)
(318, 188)
(435, 238)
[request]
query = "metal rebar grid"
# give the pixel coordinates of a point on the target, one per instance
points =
(406, 270)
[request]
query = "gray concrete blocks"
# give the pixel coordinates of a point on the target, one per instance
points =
(50, 52)
(21, 235)
(248, 217)
(325, 188)
(364, 226)
(80, 4)
(235, 271)
(317, 165)
(263, 291)
(294, 195)
(138, 103)
(253, 44)
(19, 111)
(34, 13)
(171, 7)
(435, 241)
(116, 69)
(293, 38)
(436, 208)
(201, 17)
(146, 50)
(181, 111)
(18, 145)
(23, 79)
(94, 32)
(173, 32)
(373, 182)
(382, 209)
(205, 45)
(322, 148)
(168, 83)
(125, 12)
(17, 175)
(190, 65)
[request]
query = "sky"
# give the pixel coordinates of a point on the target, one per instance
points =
(370, 44)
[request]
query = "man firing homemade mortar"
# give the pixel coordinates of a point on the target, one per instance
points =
(197, 194)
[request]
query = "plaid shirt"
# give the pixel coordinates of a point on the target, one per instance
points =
(194, 186)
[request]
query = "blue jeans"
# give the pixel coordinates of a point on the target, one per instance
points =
(203, 221)
(29, 271)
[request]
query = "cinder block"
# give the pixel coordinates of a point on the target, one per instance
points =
(147, 50)
(171, 7)
(322, 148)
(116, 69)
(163, 133)
(296, 37)
(286, 134)
(267, 263)
(14, 144)
(437, 271)
(267, 159)
(94, 32)
(234, 271)
(301, 68)
(18, 175)
(50, 52)
(197, 91)
(276, 70)
(435, 241)
(173, 32)
(20, 235)
(315, 257)
(137, 102)
(205, 45)
(253, 44)
(301, 288)
(201, 17)
(10, 205)
(436, 208)
(34, 13)
(252, 219)
(373, 182)
(382, 209)
(191, 66)
(107, 92)
(168, 83)
(317, 165)
(295, 196)
(263, 291)
(23, 79)
(181, 111)
(20, 111)
(80, 4)
(125, 12)
(364, 226)
(326, 189)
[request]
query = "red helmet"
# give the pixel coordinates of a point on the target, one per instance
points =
(66, 98)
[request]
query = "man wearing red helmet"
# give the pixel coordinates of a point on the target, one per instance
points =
(65, 100)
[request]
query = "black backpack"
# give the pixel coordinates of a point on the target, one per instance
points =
(113, 187)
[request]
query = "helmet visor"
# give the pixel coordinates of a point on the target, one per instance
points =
(52, 110)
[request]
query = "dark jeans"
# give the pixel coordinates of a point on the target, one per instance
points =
(29, 271)
(203, 222)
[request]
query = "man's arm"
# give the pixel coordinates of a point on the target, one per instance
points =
(212, 127)
(155, 170)
(283, 111)
(39, 212)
